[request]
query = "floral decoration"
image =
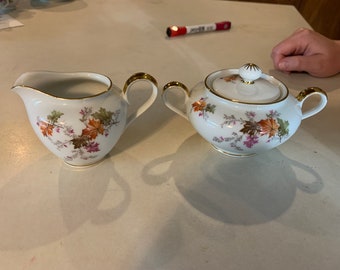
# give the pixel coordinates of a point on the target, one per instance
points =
(251, 130)
(231, 78)
(203, 107)
(83, 145)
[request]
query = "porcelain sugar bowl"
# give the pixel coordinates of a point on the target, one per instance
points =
(80, 116)
(242, 112)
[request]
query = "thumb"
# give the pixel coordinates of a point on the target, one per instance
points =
(296, 63)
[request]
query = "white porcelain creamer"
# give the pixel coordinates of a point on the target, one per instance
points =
(79, 116)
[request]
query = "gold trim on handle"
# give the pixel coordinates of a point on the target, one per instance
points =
(310, 90)
(139, 76)
(176, 84)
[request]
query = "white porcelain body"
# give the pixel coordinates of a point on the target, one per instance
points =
(240, 129)
(82, 127)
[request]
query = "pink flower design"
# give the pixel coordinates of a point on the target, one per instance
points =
(92, 147)
(251, 140)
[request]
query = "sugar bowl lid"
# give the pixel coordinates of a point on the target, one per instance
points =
(246, 85)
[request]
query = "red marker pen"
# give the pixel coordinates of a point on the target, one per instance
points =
(173, 31)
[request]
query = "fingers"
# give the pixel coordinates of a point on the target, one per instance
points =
(313, 64)
(308, 51)
(293, 63)
(296, 44)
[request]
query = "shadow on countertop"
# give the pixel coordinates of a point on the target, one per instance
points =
(40, 206)
(244, 191)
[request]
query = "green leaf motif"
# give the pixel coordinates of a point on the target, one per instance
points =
(104, 116)
(283, 129)
(210, 108)
(80, 141)
(54, 116)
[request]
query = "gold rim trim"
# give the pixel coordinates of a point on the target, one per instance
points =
(139, 76)
(235, 72)
(230, 154)
(176, 84)
(308, 91)
(108, 86)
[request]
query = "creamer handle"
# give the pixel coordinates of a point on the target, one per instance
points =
(143, 107)
(304, 94)
(169, 104)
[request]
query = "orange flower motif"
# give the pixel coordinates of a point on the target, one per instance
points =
(269, 126)
(199, 105)
(231, 78)
(93, 128)
(46, 129)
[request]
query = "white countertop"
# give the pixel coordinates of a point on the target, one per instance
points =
(164, 199)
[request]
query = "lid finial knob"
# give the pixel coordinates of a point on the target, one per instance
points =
(249, 73)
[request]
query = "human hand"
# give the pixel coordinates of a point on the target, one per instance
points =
(309, 51)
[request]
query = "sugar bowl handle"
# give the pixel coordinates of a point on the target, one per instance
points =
(310, 91)
(171, 86)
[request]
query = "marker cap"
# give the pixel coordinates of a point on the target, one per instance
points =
(223, 25)
(173, 31)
